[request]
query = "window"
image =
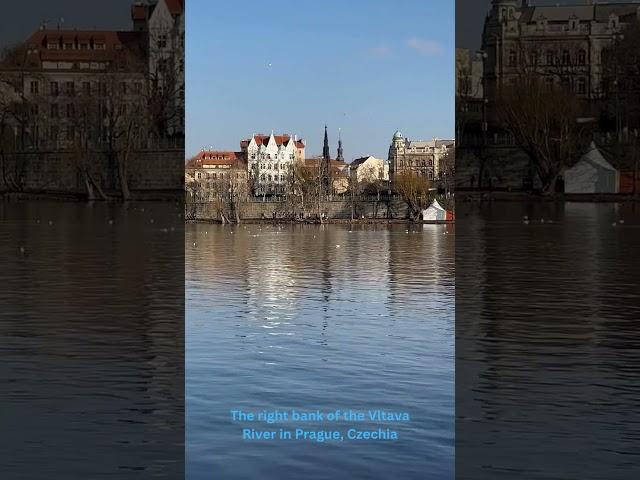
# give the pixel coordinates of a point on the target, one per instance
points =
(512, 58)
(533, 58)
(262, 177)
(71, 132)
(137, 87)
(566, 57)
(282, 178)
(53, 133)
(84, 46)
(550, 57)
(34, 87)
(581, 86)
(54, 110)
(215, 176)
(269, 167)
(582, 57)
(548, 82)
(99, 46)
(199, 175)
(53, 89)
(52, 46)
(68, 45)
(86, 88)
(162, 41)
(69, 88)
(123, 88)
(71, 111)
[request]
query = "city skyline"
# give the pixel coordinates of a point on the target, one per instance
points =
(322, 64)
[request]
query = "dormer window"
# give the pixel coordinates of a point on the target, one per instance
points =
(99, 46)
(84, 46)
(52, 46)
(541, 23)
(614, 22)
(573, 22)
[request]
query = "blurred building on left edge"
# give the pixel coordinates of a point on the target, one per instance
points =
(96, 113)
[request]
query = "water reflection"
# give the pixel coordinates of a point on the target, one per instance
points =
(319, 317)
(91, 327)
(546, 341)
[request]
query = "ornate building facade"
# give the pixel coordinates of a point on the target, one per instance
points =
(213, 174)
(270, 159)
(563, 43)
(79, 86)
(418, 157)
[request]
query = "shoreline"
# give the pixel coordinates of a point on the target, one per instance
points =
(525, 197)
(333, 221)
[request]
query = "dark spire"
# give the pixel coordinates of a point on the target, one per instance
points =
(325, 150)
(340, 156)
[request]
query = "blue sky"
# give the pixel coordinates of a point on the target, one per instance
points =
(368, 67)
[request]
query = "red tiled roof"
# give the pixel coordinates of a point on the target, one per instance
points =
(115, 43)
(262, 139)
(138, 12)
(215, 157)
(176, 7)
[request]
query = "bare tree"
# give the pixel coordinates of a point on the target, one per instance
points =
(543, 119)
(415, 191)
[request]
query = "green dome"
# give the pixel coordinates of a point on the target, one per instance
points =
(397, 135)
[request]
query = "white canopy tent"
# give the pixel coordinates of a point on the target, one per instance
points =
(592, 174)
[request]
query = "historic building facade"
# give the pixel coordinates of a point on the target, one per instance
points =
(270, 159)
(76, 87)
(418, 157)
(369, 169)
(213, 174)
(564, 44)
(162, 24)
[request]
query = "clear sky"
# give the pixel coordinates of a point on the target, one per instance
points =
(21, 19)
(368, 67)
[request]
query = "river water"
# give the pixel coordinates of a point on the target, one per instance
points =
(320, 317)
(91, 341)
(547, 341)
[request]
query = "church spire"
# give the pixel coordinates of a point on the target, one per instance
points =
(340, 156)
(325, 150)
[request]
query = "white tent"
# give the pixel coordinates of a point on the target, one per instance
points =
(434, 212)
(592, 174)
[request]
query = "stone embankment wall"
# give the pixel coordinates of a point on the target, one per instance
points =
(503, 167)
(338, 209)
(60, 172)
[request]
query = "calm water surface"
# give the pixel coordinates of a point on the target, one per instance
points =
(319, 317)
(91, 341)
(548, 341)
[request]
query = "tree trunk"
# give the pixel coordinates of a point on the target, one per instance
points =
(89, 187)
